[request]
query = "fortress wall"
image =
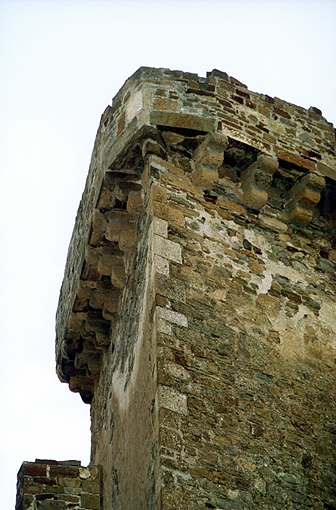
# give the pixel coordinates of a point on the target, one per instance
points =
(246, 351)
(197, 311)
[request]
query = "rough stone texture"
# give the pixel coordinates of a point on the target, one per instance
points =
(125, 407)
(197, 311)
(248, 421)
(53, 485)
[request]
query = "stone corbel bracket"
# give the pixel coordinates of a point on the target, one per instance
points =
(104, 272)
(256, 179)
(302, 199)
(111, 243)
(209, 157)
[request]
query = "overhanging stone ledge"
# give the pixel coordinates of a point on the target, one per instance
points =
(105, 232)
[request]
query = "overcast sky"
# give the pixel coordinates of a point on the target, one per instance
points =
(61, 64)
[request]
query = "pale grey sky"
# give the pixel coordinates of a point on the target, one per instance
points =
(61, 63)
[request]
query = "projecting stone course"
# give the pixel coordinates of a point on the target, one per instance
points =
(197, 312)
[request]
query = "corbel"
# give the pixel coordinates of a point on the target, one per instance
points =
(208, 158)
(256, 179)
(302, 198)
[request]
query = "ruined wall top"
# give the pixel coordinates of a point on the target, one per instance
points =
(211, 119)
(58, 485)
(223, 103)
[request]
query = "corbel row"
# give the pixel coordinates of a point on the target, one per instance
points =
(114, 232)
(256, 180)
(104, 273)
(113, 237)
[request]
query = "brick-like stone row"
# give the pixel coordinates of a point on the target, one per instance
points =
(58, 485)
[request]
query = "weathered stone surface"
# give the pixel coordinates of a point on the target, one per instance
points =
(184, 121)
(60, 488)
(208, 157)
(197, 311)
(303, 197)
(257, 179)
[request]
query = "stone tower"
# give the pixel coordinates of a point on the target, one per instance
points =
(197, 314)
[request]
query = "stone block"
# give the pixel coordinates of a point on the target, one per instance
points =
(134, 202)
(91, 486)
(98, 228)
(171, 399)
(90, 501)
(160, 227)
(163, 326)
(118, 275)
(74, 327)
(151, 146)
(167, 249)
(71, 497)
(208, 158)
(98, 297)
(134, 105)
(296, 160)
(272, 223)
(128, 237)
(181, 120)
(33, 469)
(52, 505)
(302, 198)
(161, 265)
(159, 194)
(110, 306)
(256, 180)
(231, 206)
(105, 261)
(64, 471)
(84, 386)
(170, 213)
(171, 316)
(90, 270)
(123, 233)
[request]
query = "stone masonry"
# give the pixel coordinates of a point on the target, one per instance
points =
(197, 311)
(63, 485)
